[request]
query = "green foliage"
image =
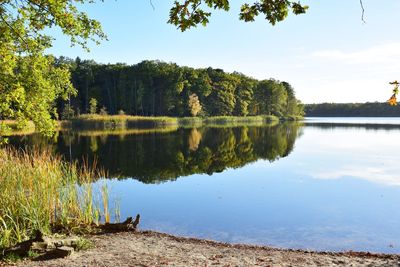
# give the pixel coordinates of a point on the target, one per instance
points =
(154, 88)
(29, 81)
(93, 106)
(68, 112)
(271, 99)
(28, 91)
(190, 13)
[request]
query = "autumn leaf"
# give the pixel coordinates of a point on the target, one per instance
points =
(393, 100)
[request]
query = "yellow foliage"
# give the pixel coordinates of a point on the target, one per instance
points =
(393, 99)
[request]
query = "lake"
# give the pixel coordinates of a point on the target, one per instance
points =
(325, 184)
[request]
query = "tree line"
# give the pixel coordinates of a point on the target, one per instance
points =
(370, 109)
(155, 88)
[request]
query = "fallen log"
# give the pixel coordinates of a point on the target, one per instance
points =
(128, 225)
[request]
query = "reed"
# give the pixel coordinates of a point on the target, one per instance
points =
(112, 122)
(39, 191)
(126, 122)
(12, 127)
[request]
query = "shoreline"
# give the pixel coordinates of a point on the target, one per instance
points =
(127, 122)
(119, 123)
(150, 248)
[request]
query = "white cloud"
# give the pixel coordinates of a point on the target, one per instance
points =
(373, 55)
(386, 176)
(347, 76)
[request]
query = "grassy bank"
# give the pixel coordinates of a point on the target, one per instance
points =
(122, 132)
(101, 122)
(118, 122)
(122, 123)
(10, 127)
(39, 192)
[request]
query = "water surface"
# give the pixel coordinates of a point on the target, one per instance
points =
(306, 185)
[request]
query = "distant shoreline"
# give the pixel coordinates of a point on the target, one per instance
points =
(369, 109)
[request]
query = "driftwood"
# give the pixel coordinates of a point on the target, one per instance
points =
(45, 247)
(52, 247)
(128, 225)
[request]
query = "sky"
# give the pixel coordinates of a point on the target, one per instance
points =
(327, 54)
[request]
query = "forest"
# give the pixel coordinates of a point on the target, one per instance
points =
(370, 109)
(155, 88)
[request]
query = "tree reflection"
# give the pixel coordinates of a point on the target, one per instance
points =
(156, 157)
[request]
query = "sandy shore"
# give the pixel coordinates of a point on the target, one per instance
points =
(148, 248)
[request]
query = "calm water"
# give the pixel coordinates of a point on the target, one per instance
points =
(317, 186)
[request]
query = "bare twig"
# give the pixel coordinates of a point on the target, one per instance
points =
(363, 11)
(151, 3)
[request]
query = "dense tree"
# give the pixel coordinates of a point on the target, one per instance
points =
(244, 94)
(293, 106)
(270, 98)
(28, 90)
(156, 88)
(352, 110)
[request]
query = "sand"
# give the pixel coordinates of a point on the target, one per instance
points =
(147, 248)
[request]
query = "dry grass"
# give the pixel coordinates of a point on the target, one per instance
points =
(39, 191)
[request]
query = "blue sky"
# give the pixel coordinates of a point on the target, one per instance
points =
(328, 54)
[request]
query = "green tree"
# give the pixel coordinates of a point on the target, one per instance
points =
(28, 90)
(68, 112)
(244, 94)
(29, 82)
(93, 106)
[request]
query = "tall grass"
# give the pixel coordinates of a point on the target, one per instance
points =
(39, 191)
(111, 122)
(228, 121)
(125, 122)
(11, 127)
